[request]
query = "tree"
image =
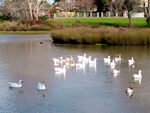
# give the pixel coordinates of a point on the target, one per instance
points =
(28, 9)
(101, 5)
(118, 5)
(131, 6)
(147, 11)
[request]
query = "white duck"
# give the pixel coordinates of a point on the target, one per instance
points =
(116, 72)
(41, 86)
(138, 76)
(60, 70)
(107, 60)
(15, 85)
(131, 61)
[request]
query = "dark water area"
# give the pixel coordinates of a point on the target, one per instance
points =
(92, 91)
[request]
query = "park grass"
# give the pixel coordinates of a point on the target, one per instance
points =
(117, 22)
(102, 35)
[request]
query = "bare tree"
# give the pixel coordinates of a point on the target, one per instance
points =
(118, 5)
(35, 6)
(131, 6)
(25, 8)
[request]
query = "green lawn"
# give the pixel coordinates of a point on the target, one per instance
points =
(137, 22)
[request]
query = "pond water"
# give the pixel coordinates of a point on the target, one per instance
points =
(89, 91)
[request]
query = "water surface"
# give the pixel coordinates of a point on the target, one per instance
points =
(92, 91)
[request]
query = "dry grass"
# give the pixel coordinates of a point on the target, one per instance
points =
(103, 35)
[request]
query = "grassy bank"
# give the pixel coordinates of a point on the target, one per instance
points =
(119, 22)
(30, 25)
(102, 35)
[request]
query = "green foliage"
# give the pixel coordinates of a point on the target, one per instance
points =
(101, 4)
(132, 5)
(52, 11)
(6, 17)
(43, 18)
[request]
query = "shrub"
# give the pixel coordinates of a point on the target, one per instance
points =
(43, 18)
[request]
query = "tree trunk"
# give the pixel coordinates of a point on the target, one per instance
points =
(130, 18)
(148, 8)
(30, 9)
(37, 11)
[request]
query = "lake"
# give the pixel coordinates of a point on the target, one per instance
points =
(94, 90)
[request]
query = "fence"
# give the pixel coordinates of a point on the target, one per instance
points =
(87, 14)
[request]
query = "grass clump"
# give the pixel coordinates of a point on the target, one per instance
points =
(30, 25)
(102, 35)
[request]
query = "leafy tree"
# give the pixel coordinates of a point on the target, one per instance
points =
(131, 6)
(101, 5)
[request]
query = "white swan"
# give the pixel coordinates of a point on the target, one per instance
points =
(60, 70)
(131, 61)
(41, 86)
(138, 76)
(15, 85)
(107, 60)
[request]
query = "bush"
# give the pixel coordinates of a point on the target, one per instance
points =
(6, 17)
(43, 18)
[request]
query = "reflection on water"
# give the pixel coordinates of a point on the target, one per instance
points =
(92, 91)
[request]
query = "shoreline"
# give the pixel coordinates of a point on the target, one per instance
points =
(24, 32)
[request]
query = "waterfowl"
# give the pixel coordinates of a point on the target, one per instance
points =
(131, 61)
(81, 58)
(60, 70)
(56, 61)
(116, 72)
(118, 59)
(41, 86)
(107, 60)
(112, 64)
(80, 66)
(129, 90)
(138, 76)
(93, 62)
(15, 85)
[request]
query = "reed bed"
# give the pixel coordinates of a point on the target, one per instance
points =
(102, 35)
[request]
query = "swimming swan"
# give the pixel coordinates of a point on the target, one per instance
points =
(41, 86)
(15, 85)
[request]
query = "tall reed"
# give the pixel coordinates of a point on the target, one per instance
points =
(103, 35)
